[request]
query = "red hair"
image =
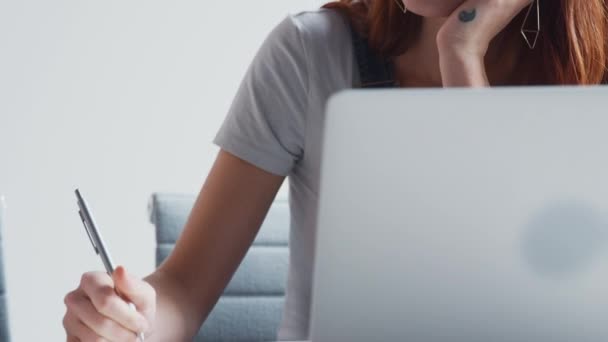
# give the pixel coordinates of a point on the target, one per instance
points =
(572, 47)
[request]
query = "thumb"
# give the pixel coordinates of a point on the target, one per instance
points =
(134, 290)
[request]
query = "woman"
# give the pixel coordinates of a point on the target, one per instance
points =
(273, 128)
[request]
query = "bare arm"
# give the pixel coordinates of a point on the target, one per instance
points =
(173, 301)
(224, 222)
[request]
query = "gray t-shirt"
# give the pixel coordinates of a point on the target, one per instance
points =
(276, 122)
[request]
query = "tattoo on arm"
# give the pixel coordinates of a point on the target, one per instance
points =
(467, 16)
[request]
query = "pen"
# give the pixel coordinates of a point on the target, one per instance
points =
(97, 242)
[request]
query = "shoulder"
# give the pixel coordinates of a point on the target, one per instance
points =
(311, 45)
(313, 30)
(320, 24)
(319, 39)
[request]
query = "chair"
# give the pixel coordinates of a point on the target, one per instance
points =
(251, 306)
(4, 326)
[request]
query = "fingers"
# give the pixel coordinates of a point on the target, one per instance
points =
(135, 290)
(88, 323)
(78, 332)
(96, 313)
(100, 295)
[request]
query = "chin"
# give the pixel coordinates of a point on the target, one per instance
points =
(433, 8)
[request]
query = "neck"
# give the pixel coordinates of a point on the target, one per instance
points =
(419, 65)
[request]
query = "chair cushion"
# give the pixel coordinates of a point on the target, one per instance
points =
(251, 306)
(248, 318)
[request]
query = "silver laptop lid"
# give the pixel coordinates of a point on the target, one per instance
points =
(463, 215)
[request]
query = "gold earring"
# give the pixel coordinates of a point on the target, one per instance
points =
(531, 32)
(401, 6)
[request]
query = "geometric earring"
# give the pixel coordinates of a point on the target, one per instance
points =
(401, 6)
(531, 30)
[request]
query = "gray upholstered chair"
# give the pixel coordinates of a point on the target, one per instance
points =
(4, 330)
(250, 308)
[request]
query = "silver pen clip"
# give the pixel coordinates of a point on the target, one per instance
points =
(87, 229)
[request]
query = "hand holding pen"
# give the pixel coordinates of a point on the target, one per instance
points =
(112, 306)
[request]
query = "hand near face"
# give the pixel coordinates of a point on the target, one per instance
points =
(471, 27)
(464, 38)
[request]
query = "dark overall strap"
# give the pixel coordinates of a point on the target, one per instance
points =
(374, 71)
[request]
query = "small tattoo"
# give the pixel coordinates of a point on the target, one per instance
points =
(467, 16)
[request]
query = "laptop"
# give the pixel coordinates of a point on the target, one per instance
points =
(463, 215)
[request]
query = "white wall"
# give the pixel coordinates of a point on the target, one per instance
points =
(120, 98)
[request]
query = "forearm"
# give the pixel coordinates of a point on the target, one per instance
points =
(222, 225)
(462, 70)
(175, 319)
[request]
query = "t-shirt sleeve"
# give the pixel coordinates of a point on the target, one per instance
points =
(265, 125)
